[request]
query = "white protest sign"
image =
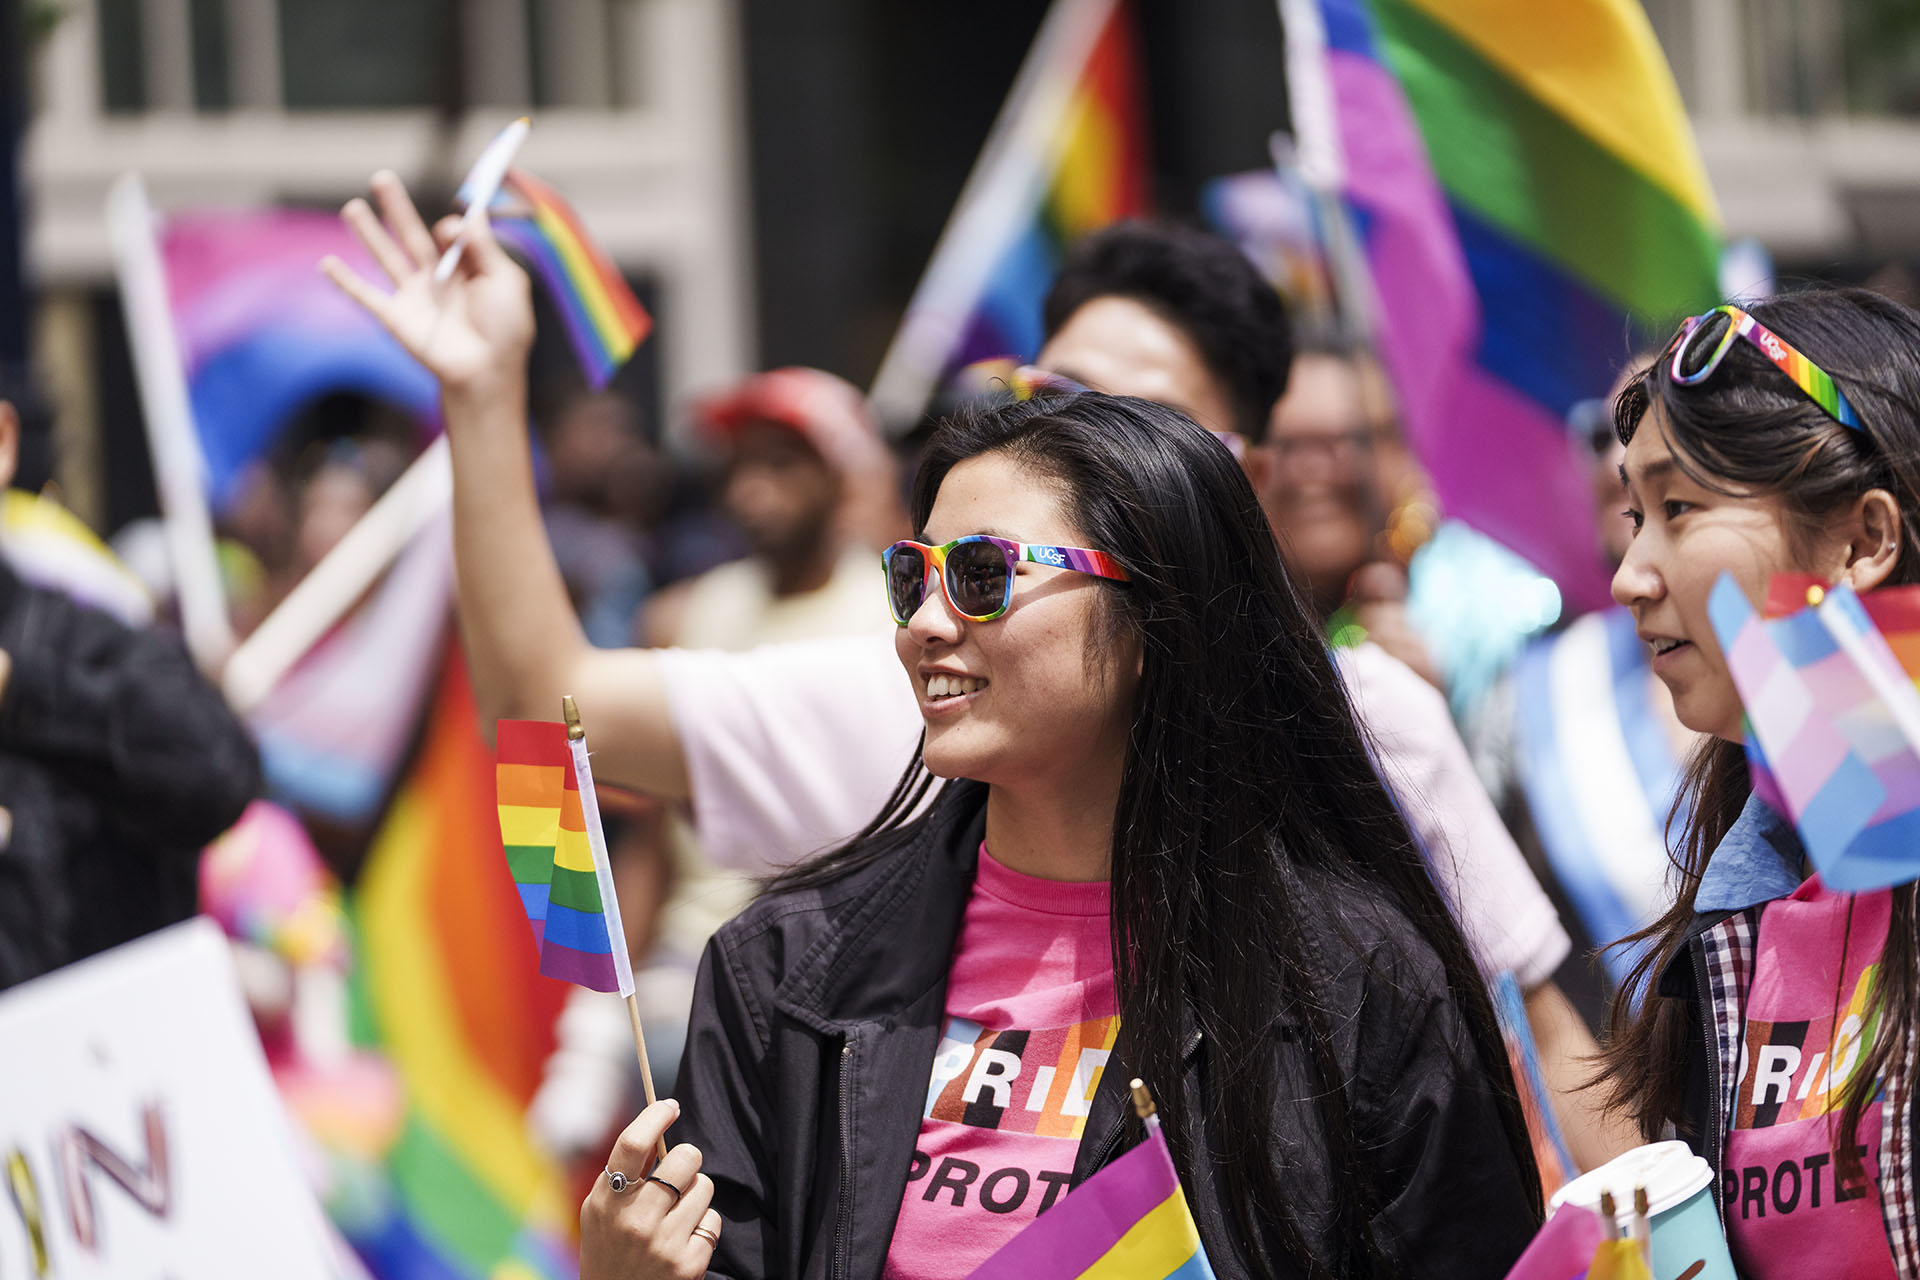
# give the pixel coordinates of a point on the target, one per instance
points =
(140, 1134)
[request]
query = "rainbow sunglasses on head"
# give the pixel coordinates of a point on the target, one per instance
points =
(976, 572)
(1704, 340)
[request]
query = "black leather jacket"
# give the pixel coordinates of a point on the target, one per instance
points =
(118, 763)
(818, 1013)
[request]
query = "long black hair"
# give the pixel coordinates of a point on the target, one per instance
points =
(1748, 431)
(1247, 791)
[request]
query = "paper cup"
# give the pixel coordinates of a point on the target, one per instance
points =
(1688, 1243)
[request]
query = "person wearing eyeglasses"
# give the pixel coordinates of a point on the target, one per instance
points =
(908, 1049)
(1771, 1021)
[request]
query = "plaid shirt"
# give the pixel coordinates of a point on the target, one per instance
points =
(1728, 951)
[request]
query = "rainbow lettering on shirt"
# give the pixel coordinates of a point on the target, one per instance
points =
(1796, 1070)
(1019, 1081)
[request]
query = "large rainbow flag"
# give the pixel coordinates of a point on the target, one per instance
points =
(1532, 205)
(1066, 156)
(447, 985)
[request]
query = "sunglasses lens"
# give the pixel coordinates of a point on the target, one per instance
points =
(1697, 348)
(906, 581)
(978, 578)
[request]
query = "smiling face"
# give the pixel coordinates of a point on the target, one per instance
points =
(1036, 696)
(1685, 536)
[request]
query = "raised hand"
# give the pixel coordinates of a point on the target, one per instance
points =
(660, 1222)
(473, 331)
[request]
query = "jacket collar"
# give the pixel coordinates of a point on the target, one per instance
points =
(1759, 859)
(893, 927)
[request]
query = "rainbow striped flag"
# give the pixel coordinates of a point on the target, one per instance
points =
(550, 828)
(1067, 155)
(444, 986)
(604, 321)
(1833, 720)
(1130, 1221)
(1530, 198)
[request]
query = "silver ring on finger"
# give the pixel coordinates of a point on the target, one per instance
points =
(620, 1181)
(711, 1237)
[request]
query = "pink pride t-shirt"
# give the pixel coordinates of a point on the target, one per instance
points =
(1030, 1023)
(1810, 1024)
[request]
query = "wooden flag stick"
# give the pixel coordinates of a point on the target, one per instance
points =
(590, 806)
(1143, 1104)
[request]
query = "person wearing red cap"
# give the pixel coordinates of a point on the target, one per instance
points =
(811, 486)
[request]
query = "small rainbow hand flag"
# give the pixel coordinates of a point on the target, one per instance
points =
(1833, 719)
(1130, 1220)
(557, 852)
(605, 322)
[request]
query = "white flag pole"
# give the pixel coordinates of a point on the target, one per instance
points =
(342, 577)
(178, 465)
(609, 901)
(1005, 185)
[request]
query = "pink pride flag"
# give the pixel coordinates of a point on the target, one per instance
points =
(1564, 1248)
(1128, 1220)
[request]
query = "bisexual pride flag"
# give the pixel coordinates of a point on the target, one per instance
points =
(1833, 720)
(1129, 1220)
(550, 825)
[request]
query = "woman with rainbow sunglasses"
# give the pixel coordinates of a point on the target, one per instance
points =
(1772, 1021)
(1162, 851)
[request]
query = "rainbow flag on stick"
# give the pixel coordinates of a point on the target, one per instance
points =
(1833, 719)
(550, 827)
(1130, 1221)
(557, 853)
(1530, 199)
(1066, 156)
(604, 321)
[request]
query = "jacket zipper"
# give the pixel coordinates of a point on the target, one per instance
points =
(1112, 1138)
(1716, 1085)
(842, 1242)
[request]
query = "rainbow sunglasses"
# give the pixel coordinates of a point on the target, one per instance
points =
(1712, 333)
(976, 572)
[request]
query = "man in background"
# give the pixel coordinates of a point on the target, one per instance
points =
(813, 489)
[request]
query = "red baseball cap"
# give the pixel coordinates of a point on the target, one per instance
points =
(828, 412)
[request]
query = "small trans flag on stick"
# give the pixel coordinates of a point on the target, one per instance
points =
(1833, 719)
(557, 854)
(1129, 1220)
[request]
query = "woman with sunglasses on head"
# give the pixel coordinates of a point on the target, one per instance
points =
(1164, 853)
(1771, 1022)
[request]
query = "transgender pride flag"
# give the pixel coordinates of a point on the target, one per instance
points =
(1129, 1221)
(1833, 720)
